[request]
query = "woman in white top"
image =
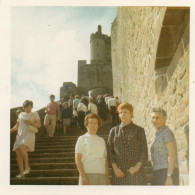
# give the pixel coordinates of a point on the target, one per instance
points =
(92, 108)
(91, 155)
(25, 140)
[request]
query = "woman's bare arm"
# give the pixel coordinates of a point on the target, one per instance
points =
(107, 172)
(79, 164)
(171, 161)
(15, 128)
(36, 123)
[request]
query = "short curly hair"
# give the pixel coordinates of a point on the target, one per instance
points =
(27, 103)
(92, 115)
(161, 111)
(125, 106)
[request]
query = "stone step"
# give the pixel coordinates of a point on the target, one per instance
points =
(55, 150)
(49, 173)
(61, 145)
(56, 141)
(53, 157)
(64, 160)
(48, 166)
(45, 181)
(54, 180)
(54, 144)
(59, 172)
(42, 166)
(49, 160)
(59, 138)
(46, 155)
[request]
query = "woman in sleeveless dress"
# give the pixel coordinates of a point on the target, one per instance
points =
(25, 139)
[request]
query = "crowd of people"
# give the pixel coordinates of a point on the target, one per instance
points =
(72, 111)
(125, 150)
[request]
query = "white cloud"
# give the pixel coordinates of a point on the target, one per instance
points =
(48, 55)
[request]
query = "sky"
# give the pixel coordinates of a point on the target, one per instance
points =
(46, 44)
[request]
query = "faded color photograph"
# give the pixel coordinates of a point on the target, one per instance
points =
(99, 96)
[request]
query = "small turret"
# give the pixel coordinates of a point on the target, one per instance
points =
(98, 45)
(99, 29)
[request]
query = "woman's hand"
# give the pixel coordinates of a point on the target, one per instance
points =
(107, 180)
(15, 128)
(85, 180)
(118, 172)
(133, 170)
(169, 181)
(136, 168)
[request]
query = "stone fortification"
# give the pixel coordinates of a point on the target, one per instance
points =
(68, 89)
(97, 74)
(150, 63)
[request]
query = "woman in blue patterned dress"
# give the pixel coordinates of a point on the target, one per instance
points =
(164, 152)
(127, 150)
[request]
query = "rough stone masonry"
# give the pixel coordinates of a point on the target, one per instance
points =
(150, 64)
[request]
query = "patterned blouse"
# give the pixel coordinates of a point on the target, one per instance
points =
(159, 152)
(126, 147)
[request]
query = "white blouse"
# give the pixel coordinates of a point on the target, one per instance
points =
(93, 150)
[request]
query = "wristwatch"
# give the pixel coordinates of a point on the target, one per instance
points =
(169, 175)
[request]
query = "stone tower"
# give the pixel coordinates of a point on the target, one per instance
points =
(100, 46)
(96, 78)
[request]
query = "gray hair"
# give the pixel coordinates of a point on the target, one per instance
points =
(161, 111)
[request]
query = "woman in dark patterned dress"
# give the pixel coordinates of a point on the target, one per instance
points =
(127, 150)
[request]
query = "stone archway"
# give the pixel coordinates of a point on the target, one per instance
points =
(174, 38)
(99, 91)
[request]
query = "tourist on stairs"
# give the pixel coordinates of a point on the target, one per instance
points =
(65, 116)
(91, 154)
(70, 105)
(59, 122)
(50, 118)
(81, 110)
(92, 108)
(25, 139)
(127, 150)
(164, 151)
(102, 108)
(112, 102)
(76, 101)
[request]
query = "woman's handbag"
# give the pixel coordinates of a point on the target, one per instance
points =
(74, 113)
(33, 129)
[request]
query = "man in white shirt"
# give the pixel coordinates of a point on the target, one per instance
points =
(112, 108)
(106, 99)
(92, 107)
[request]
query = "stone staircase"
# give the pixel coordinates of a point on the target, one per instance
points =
(53, 163)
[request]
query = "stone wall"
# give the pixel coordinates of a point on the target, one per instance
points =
(95, 75)
(136, 37)
(67, 89)
(94, 93)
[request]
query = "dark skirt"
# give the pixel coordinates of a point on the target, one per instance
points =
(81, 118)
(137, 178)
(159, 177)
